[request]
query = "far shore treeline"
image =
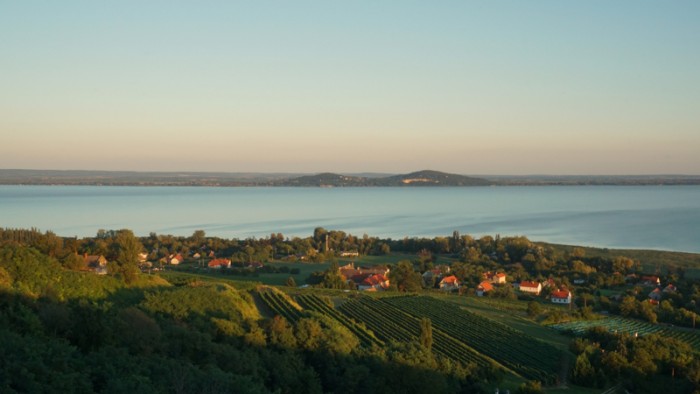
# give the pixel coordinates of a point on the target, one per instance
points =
(121, 313)
(326, 179)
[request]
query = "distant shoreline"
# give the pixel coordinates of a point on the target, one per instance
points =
(424, 178)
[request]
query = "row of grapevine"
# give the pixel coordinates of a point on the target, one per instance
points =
(314, 303)
(280, 305)
(391, 324)
(531, 358)
(632, 327)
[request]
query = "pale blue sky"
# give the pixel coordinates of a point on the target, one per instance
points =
(488, 87)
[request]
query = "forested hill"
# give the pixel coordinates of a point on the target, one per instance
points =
(420, 178)
(433, 178)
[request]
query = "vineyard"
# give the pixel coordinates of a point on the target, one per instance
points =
(632, 327)
(514, 349)
(280, 304)
(391, 324)
(315, 303)
(457, 334)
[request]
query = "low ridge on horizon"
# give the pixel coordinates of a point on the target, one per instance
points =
(320, 179)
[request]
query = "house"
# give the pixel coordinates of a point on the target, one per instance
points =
(498, 278)
(219, 263)
(430, 276)
(449, 283)
(670, 289)
(650, 280)
(93, 261)
(655, 294)
(96, 264)
(196, 256)
(358, 274)
(143, 257)
(350, 253)
(146, 266)
(530, 287)
(550, 283)
(374, 282)
(483, 288)
(561, 297)
(175, 259)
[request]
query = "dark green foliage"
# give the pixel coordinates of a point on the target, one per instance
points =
(405, 278)
(95, 334)
(639, 363)
(291, 282)
(426, 333)
(32, 364)
(533, 308)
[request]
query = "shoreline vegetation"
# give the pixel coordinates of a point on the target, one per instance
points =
(333, 312)
(425, 178)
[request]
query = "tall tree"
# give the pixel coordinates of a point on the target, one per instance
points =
(426, 333)
(127, 248)
(404, 277)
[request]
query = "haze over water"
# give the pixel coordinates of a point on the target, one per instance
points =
(643, 217)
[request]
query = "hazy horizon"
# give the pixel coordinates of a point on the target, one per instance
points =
(497, 88)
(356, 173)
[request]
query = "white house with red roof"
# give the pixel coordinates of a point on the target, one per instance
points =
(561, 297)
(219, 263)
(176, 259)
(374, 282)
(530, 287)
(449, 283)
(483, 288)
(497, 278)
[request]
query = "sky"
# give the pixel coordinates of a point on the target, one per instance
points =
(469, 87)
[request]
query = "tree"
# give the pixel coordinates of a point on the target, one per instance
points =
(404, 277)
(385, 249)
(426, 333)
(530, 387)
(533, 308)
(583, 372)
(291, 282)
(127, 248)
(332, 278)
(73, 261)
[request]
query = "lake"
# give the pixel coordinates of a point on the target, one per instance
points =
(643, 217)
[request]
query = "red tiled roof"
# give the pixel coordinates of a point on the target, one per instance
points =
(219, 262)
(373, 280)
(533, 285)
(450, 280)
(485, 286)
(500, 275)
(561, 294)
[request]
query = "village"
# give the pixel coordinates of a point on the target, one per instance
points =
(376, 278)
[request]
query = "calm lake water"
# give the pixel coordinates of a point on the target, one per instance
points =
(645, 217)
